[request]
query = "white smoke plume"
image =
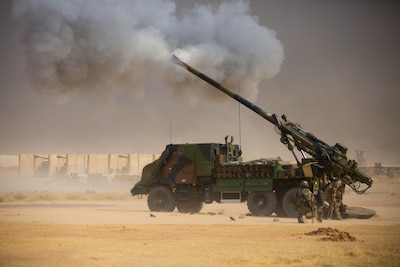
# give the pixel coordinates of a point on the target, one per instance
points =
(80, 46)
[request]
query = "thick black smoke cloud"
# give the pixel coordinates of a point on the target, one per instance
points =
(81, 46)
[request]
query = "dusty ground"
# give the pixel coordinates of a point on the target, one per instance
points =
(95, 227)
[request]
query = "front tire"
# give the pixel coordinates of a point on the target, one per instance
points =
(262, 203)
(161, 199)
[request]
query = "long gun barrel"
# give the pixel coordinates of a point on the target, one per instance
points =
(242, 100)
(333, 159)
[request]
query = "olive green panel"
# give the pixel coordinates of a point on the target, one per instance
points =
(231, 185)
(258, 185)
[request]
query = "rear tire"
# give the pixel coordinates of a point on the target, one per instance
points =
(262, 203)
(279, 211)
(189, 205)
(161, 199)
(288, 203)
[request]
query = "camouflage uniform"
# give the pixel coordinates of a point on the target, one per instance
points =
(305, 203)
(332, 189)
(335, 194)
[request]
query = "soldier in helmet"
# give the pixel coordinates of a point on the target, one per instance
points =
(305, 203)
(335, 192)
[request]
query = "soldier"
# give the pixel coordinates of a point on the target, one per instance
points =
(305, 203)
(346, 180)
(335, 192)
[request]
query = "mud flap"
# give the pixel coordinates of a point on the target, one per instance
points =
(357, 213)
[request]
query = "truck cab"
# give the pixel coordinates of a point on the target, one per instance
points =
(184, 173)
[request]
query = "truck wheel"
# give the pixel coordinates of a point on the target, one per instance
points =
(189, 205)
(288, 203)
(262, 203)
(161, 199)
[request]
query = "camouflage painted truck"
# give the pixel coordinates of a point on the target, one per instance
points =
(188, 175)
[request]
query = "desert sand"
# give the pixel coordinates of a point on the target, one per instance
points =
(83, 226)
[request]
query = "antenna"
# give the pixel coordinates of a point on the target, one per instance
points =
(170, 131)
(240, 126)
